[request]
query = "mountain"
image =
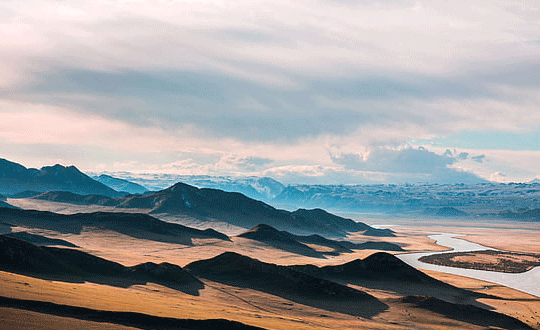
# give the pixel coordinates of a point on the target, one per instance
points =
(380, 266)
(445, 212)
(235, 268)
(69, 197)
(121, 184)
(22, 257)
(6, 205)
(522, 214)
(298, 243)
(240, 210)
(260, 188)
(38, 239)
(132, 224)
(15, 178)
(217, 205)
(407, 198)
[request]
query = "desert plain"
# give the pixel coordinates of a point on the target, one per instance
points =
(445, 302)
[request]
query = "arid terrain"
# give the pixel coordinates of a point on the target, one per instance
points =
(271, 281)
(490, 260)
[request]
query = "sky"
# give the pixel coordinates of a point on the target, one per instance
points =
(326, 92)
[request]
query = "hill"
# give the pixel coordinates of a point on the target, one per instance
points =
(132, 224)
(297, 243)
(22, 257)
(15, 178)
(378, 266)
(69, 197)
(234, 267)
(121, 184)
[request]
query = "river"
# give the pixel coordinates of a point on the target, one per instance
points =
(528, 282)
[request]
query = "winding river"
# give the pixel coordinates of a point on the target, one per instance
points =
(528, 282)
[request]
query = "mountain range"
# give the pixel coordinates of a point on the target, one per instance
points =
(210, 205)
(15, 178)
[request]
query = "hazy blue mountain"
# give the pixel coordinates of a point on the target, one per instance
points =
(15, 178)
(121, 184)
(389, 198)
(260, 188)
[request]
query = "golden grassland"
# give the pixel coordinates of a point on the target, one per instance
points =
(253, 307)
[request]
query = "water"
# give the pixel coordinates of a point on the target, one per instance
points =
(528, 282)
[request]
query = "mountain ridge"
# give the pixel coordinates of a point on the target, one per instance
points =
(15, 178)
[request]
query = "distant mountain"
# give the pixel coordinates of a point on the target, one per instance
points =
(15, 178)
(522, 214)
(212, 204)
(69, 197)
(240, 210)
(121, 184)
(445, 212)
(260, 188)
(408, 198)
(298, 243)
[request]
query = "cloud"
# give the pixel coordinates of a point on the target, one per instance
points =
(479, 158)
(415, 164)
(198, 78)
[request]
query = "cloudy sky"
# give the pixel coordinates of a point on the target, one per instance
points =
(311, 91)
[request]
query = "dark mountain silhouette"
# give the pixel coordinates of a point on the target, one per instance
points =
(271, 276)
(234, 269)
(69, 197)
(6, 205)
(25, 194)
(211, 204)
(297, 244)
(21, 257)
(15, 178)
(121, 184)
(378, 266)
(237, 209)
(38, 239)
(132, 224)
(130, 319)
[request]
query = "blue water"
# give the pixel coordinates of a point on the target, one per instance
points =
(528, 282)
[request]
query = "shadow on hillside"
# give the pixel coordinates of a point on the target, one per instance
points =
(122, 281)
(441, 291)
(299, 249)
(132, 319)
(362, 307)
(39, 240)
(133, 225)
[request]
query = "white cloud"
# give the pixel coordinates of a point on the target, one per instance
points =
(269, 86)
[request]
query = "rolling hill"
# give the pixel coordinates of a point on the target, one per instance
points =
(210, 205)
(132, 224)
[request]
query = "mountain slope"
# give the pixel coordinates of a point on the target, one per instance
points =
(132, 224)
(121, 184)
(238, 268)
(239, 210)
(270, 235)
(15, 178)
